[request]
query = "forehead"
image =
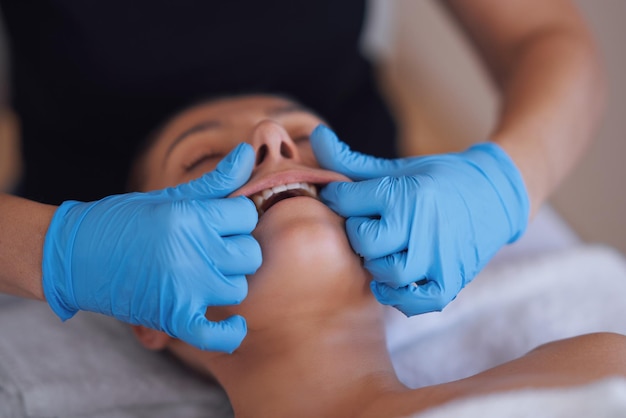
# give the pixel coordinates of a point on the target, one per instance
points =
(232, 113)
(234, 110)
(238, 111)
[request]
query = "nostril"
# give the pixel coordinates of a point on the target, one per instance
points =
(261, 154)
(285, 150)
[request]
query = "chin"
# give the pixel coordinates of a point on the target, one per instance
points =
(308, 265)
(301, 230)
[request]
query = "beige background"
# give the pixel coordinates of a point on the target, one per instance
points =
(439, 90)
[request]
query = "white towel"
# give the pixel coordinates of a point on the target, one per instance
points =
(602, 399)
(509, 310)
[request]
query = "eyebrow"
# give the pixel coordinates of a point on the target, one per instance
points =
(214, 124)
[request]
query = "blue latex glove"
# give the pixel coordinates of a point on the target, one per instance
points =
(425, 226)
(158, 259)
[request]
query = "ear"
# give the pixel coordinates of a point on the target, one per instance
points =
(150, 338)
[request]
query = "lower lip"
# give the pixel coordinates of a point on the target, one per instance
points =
(284, 200)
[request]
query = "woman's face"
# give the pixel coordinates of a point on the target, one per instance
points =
(308, 265)
(196, 140)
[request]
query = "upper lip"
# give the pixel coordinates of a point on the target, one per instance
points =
(315, 176)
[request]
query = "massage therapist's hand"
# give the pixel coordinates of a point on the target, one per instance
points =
(160, 258)
(425, 226)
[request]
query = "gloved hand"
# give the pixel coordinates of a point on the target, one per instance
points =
(160, 258)
(425, 226)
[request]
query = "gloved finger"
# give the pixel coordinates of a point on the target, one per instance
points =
(354, 199)
(374, 238)
(412, 261)
(225, 336)
(231, 216)
(333, 154)
(224, 290)
(242, 255)
(412, 299)
(393, 270)
(230, 174)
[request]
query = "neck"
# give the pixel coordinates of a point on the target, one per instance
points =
(323, 367)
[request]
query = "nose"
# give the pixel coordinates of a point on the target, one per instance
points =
(272, 142)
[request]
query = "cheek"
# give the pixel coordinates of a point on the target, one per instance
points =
(307, 156)
(163, 179)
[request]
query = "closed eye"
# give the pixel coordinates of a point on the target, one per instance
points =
(203, 159)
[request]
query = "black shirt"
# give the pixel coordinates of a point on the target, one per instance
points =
(90, 79)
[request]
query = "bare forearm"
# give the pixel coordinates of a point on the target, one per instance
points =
(552, 99)
(544, 61)
(23, 226)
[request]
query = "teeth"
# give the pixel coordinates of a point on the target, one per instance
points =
(260, 198)
(267, 193)
(279, 189)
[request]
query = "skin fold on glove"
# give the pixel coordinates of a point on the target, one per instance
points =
(158, 259)
(425, 226)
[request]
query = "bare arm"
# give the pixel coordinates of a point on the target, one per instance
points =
(547, 68)
(565, 363)
(23, 226)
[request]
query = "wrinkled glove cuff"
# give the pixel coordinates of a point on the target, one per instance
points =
(56, 265)
(506, 178)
